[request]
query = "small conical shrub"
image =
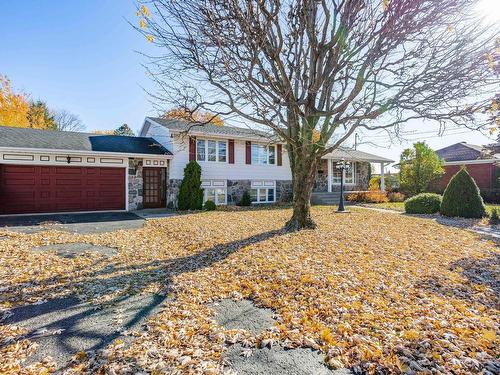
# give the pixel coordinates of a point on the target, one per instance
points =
(246, 200)
(462, 198)
(190, 191)
(210, 206)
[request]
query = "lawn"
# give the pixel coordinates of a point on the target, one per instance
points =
(400, 206)
(380, 292)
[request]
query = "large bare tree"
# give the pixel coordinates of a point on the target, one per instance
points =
(300, 67)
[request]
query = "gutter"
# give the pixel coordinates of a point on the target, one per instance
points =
(469, 162)
(82, 152)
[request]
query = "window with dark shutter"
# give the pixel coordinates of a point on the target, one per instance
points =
(231, 151)
(248, 152)
(279, 156)
(192, 148)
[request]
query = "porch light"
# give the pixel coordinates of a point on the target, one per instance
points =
(342, 166)
(68, 159)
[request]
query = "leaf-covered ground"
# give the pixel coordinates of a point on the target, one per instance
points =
(372, 291)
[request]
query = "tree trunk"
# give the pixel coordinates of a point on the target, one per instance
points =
(303, 172)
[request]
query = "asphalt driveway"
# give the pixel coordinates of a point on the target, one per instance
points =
(83, 223)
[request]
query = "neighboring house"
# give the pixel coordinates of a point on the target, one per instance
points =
(480, 162)
(49, 171)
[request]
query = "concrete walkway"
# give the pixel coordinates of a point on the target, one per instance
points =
(81, 223)
(155, 213)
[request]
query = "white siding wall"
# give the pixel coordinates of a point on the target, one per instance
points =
(178, 145)
(158, 132)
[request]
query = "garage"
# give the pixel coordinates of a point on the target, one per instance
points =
(37, 189)
(46, 171)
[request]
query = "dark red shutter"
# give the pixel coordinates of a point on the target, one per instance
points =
(279, 156)
(192, 148)
(248, 152)
(231, 151)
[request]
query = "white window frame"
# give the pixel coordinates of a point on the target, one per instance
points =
(352, 171)
(217, 152)
(261, 146)
(263, 186)
(214, 185)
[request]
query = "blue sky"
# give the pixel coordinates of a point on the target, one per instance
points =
(80, 56)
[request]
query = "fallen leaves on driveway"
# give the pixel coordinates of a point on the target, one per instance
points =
(372, 291)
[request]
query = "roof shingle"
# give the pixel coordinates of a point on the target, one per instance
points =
(460, 152)
(59, 140)
(210, 129)
(356, 155)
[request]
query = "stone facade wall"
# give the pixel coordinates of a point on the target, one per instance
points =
(362, 175)
(135, 184)
(172, 192)
(362, 178)
(284, 191)
(321, 179)
(235, 190)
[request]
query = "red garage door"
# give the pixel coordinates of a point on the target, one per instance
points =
(31, 189)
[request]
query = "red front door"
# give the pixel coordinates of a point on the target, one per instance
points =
(37, 189)
(154, 182)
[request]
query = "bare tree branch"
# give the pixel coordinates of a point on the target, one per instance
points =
(326, 66)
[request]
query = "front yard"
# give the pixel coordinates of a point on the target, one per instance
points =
(371, 291)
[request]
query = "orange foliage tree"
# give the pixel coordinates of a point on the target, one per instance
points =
(14, 107)
(199, 116)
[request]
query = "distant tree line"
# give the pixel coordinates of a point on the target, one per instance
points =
(18, 110)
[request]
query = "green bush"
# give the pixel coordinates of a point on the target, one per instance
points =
(494, 219)
(462, 197)
(190, 191)
(209, 206)
(424, 203)
(246, 200)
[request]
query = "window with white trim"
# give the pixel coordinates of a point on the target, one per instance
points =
(211, 150)
(263, 154)
(215, 191)
(263, 195)
(216, 195)
(263, 192)
(349, 173)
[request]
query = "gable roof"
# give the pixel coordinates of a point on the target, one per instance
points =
(60, 140)
(177, 126)
(460, 152)
(355, 155)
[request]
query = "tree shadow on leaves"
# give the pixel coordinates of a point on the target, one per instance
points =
(65, 326)
(483, 286)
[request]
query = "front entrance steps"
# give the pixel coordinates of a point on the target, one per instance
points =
(327, 199)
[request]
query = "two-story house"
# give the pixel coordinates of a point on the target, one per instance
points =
(45, 171)
(235, 159)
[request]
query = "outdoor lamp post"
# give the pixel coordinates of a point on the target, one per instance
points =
(342, 166)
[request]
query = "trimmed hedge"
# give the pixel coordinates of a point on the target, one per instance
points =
(209, 206)
(462, 197)
(424, 203)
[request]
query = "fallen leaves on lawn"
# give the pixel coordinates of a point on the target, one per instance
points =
(373, 291)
